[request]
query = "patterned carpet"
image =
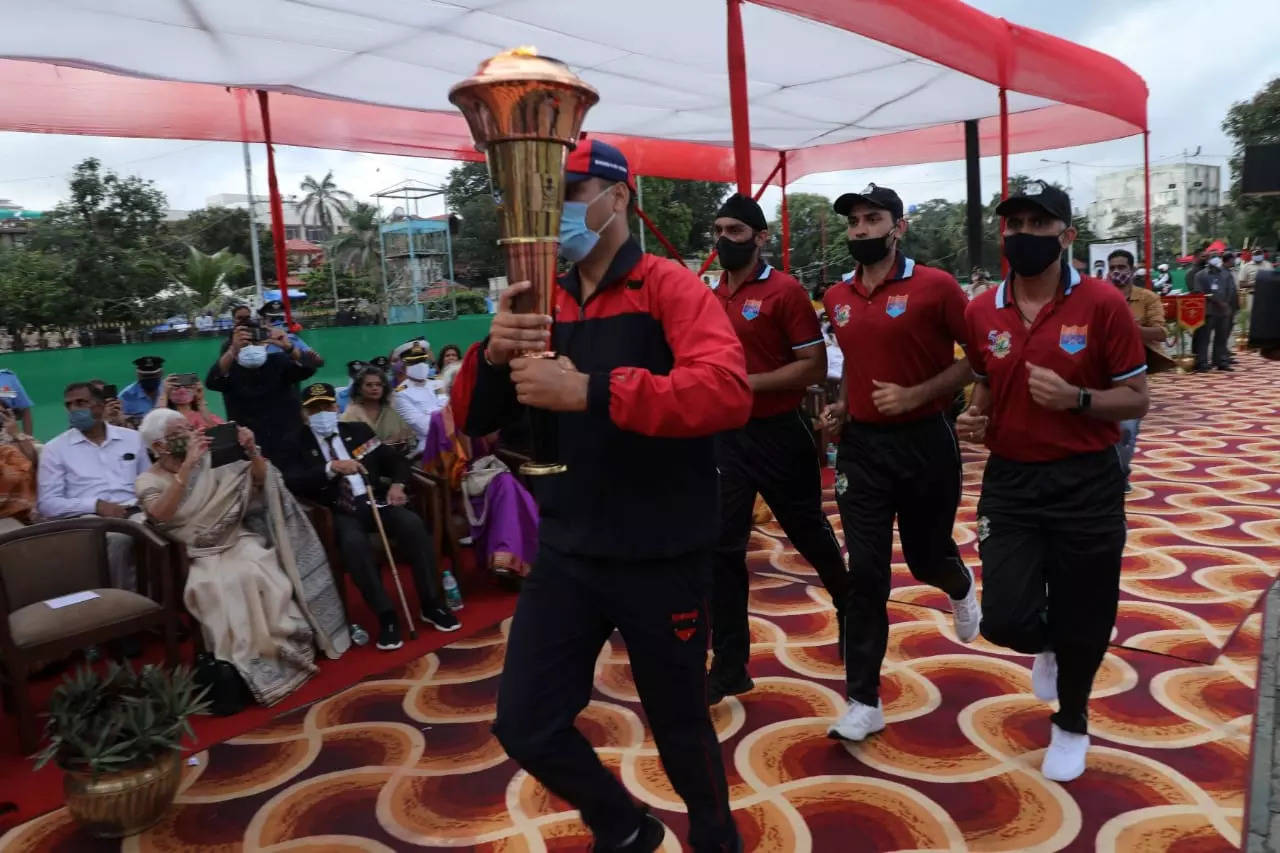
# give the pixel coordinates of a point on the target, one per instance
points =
(405, 760)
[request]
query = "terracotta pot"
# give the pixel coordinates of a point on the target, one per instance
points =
(125, 802)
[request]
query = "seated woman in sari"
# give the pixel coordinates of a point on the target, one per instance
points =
(18, 464)
(501, 512)
(258, 581)
(184, 392)
(371, 404)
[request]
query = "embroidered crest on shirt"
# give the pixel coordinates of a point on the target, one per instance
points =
(1073, 339)
(842, 315)
(685, 624)
(896, 306)
(751, 308)
(999, 343)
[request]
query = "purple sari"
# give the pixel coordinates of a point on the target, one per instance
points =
(507, 538)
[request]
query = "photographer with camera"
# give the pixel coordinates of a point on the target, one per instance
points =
(259, 388)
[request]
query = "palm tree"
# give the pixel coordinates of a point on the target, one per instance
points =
(323, 199)
(202, 279)
(324, 203)
(356, 249)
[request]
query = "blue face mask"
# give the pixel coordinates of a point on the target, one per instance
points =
(576, 239)
(323, 424)
(81, 419)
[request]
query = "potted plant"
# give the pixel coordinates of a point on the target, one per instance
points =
(118, 737)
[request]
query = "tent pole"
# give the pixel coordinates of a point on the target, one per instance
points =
(1146, 207)
(672, 251)
(738, 98)
(786, 217)
(706, 265)
(973, 192)
(241, 95)
(1004, 172)
(277, 211)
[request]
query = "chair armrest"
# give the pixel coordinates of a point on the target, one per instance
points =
(511, 459)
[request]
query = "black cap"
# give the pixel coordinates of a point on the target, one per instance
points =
(149, 364)
(881, 197)
(354, 367)
(275, 306)
(319, 392)
(745, 209)
(381, 362)
(1046, 197)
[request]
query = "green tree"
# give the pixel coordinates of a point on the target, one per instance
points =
(683, 211)
(108, 235)
(356, 250)
(34, 289)
(814, 260)
(476, 254)
(211, 229)
(324, 204)
(937, 235)
(1254, 122)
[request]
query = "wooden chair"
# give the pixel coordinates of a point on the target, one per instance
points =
(58, 558)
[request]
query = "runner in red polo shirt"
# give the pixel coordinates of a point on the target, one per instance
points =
(774, 453)
(1060, 362)
(897, 323)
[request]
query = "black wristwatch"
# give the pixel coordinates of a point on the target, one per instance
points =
(1084, 399)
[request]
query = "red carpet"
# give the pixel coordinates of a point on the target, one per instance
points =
(35, 793)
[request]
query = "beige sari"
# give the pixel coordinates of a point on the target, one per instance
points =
(258, 581)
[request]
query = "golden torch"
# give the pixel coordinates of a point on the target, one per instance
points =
(525, 112)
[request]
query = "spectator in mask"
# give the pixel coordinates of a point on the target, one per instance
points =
(354, 368)
(1219, 288)
(183, 393)
(140, 397)
(89, 470)
(259, 389)
(417, 398)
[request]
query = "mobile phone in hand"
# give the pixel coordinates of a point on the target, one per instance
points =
(224, 444)
(110, 392)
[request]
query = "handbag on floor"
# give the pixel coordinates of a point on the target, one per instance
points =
(228, 694)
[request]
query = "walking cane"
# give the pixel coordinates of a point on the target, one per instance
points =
(395, 573)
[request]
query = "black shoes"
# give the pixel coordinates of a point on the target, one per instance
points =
(648, 838)
(721, 684)
(389, 634)
(441, 618)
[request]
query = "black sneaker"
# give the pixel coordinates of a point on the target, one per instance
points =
(441, 618)
(721, 684)
(389, 634)
(1226, 367)
(648, 839)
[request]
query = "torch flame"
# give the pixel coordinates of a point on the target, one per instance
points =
(523, 50)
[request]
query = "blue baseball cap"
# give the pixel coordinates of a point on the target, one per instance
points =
(595, 159)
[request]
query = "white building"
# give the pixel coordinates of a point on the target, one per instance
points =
(1175, 187)
(294, 229)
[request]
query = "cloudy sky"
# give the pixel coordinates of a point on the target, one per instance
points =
(1194, 68)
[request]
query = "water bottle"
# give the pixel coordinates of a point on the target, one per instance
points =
(831, 455)
(359, 636)
(452, 595)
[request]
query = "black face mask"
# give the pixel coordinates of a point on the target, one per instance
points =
(734, 255)
(870, 250)
(1031, 254)
(150, 384)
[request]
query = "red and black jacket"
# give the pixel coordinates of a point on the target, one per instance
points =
(666, 374)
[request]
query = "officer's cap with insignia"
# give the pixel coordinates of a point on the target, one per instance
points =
(354, 367)
(275, 306)
(319, 392)
(149, 365)
(416, 353)
(381, 362)
(399, 351)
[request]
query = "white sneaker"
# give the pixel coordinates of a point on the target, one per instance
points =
(1065, 758)
(966, 613)
(858, 722)
(1044, 676)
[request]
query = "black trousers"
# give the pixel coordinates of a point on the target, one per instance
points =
(567, 609)
(911, 471)
(777, 458)
(1217, 327)
(1051, 537)
(412, 540)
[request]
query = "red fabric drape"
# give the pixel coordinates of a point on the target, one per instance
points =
(277, 211)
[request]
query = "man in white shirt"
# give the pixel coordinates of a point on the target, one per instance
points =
(418, 396)
(89, 470)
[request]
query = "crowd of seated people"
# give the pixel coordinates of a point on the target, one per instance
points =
(257, 582)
